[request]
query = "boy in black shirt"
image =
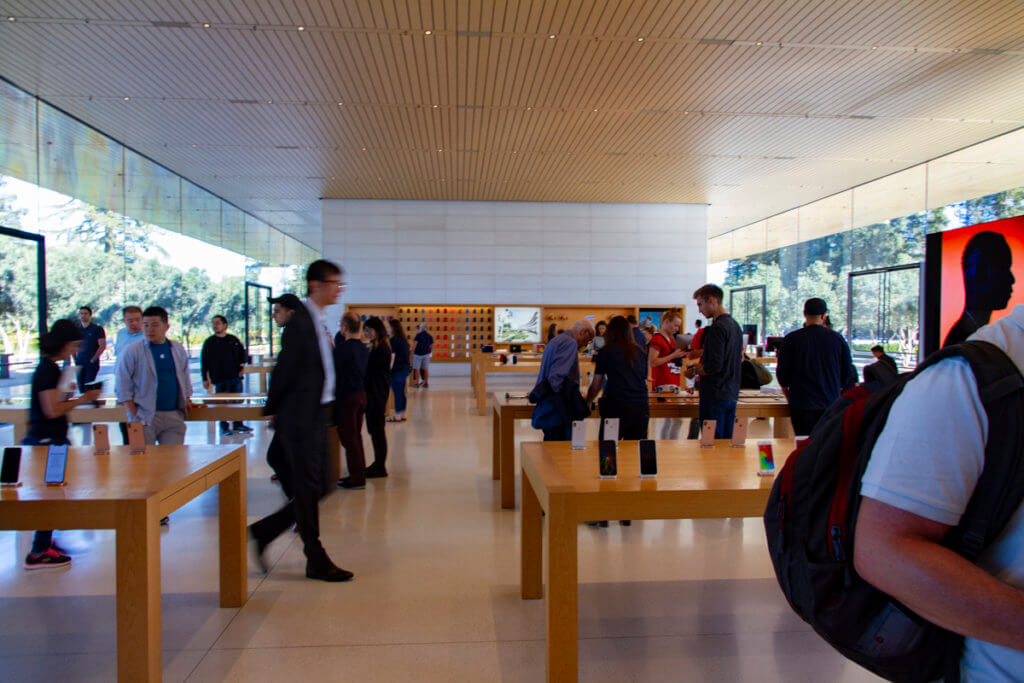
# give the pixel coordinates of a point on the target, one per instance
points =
(721, 365)
(221, 362)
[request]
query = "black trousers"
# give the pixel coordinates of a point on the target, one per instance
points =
(298, 454)
(804, 421)
(633, 418)
(376, 420)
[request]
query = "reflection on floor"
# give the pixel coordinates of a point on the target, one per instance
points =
(436, 592)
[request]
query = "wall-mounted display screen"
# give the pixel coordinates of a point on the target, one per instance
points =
(518, 324)
(649, 316)
(973, 276)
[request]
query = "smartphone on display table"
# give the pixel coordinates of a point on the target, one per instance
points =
(11, 466)
(136, 438)
(648, 458)
(101, 439)
(609, 466)
(56, 464)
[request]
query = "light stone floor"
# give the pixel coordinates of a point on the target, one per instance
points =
(436, 594)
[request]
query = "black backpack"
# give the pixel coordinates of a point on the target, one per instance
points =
(813, 507)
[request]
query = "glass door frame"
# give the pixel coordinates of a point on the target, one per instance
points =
(762, 332)
(40, 271)
(883, 290)
(270, 314)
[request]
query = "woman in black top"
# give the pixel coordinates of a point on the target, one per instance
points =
(621, 361)
(378, 380)
(552, 331)
(400, 369)
(48, 422)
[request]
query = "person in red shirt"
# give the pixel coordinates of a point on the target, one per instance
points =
(661, 351)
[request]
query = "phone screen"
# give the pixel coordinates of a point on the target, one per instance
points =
(609, 461)
(648, 458)
(11, 466)
(56, 461)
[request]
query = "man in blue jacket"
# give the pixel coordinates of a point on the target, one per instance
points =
(558, 380)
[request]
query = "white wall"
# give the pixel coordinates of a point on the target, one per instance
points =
(517, 252)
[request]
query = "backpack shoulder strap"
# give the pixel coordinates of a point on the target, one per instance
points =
(1000, 489)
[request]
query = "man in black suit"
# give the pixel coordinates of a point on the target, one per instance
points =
(298, 451)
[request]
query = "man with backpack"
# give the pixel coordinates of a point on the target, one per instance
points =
(814, 368)
(924, 469)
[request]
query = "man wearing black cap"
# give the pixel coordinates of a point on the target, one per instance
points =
(298, 450)
(814, 368)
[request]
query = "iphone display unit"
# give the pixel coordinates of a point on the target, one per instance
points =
(609, 466)
(611, 429)
(739, 432)
(56, 464)
(11, 466)
(648, 458)
(136, 438)
(579, 435)
(101, 439)
(707, 433)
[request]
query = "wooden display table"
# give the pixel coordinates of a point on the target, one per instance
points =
(263, 370)
(484, 364)
(220, 409)
(562, 486)
(507, 410)
(130, 494)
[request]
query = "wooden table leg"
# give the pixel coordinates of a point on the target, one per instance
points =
(507, 454)
(234, 574)
(481, 393)
(495, 444)
(138, 592)
(531, 545)
(782, 428)
(562, 590)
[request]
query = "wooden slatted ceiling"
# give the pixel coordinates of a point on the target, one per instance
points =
(752, 129)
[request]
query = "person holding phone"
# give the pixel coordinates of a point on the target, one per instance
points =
(48, 421)
(665, 376)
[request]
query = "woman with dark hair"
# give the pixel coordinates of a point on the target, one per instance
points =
(552, 331)
(378, 380)
(622, 362)
(48, 421)
(400, 368)
(598, 341)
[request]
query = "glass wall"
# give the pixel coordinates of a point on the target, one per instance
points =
(853, 249)
(120, 229)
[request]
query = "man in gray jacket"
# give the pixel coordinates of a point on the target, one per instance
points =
(153, 381)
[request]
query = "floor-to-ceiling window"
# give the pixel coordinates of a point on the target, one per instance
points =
(857, 249)
(119, 229)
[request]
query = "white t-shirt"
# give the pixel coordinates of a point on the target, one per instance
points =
(928, 459)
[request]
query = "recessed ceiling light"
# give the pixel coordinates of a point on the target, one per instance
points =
(595, 110)
(874, 47)
(639, 40)
(193, 146)
(956, 50)
(760, 43)
(11, 19)
(126, 98)
(686, 112)
(270, 101)
(206, 24)
(300, 28)
(364, 149)
(427, 33)
(436, 106)
(551, 37)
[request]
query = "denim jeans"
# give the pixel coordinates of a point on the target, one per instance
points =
(722, 412)
(398, 378)
(42, 539)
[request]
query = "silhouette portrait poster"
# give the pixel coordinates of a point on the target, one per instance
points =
(953, 295)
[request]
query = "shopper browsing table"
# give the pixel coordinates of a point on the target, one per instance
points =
(221, 365)
(661, 352)
(48, 422)
(814, 368)
(621, 363)
(350, 361)
(400, 369)
(721, 363)
(557, 392)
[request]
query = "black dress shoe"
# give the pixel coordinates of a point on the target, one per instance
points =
(260, 547)
(327, 571)
(347, 483)
(375, 472)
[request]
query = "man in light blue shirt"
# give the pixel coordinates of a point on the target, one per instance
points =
(126, 336)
